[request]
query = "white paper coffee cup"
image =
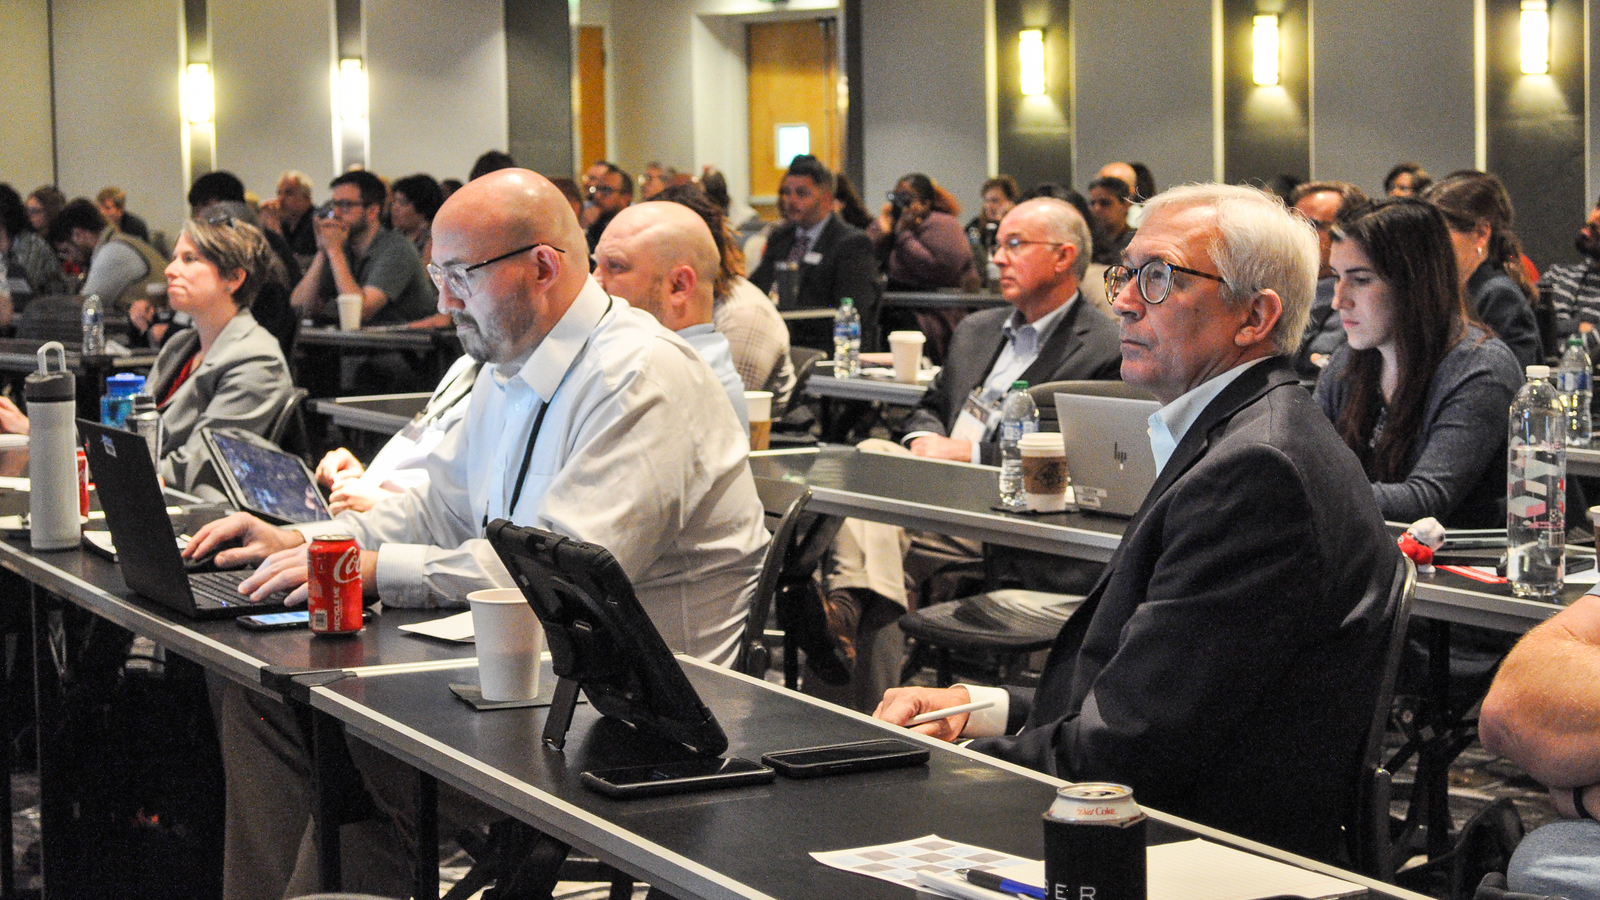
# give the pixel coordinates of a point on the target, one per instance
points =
(906, 346)
(1044, 471)
(350, 312)
(509, 640)
(759, 403)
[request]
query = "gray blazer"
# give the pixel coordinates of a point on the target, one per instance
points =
(243, 382)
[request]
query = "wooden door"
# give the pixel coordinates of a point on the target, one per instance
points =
(591, 110)
(794, 80)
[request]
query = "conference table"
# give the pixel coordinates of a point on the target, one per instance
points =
(430, 351)
(260, 661)
(380, 414)
(951, 299)
(748, 842)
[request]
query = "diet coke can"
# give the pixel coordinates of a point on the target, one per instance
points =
(1094, 844)
(335, 584)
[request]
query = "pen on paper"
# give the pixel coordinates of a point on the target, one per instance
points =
(938, 714)
(993, 882)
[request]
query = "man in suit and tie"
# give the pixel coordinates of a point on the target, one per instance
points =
(1224, 665)
(1048, 333)
(833, 259)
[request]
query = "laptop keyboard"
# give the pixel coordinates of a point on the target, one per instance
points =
(219, 590)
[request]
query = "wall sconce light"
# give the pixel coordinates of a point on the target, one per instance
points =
(352, 100)
(198, 98)
(1030, 58)
(1264, 42)
(1535, 37)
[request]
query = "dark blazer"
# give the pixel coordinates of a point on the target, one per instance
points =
(1224, 664)
(1502, 306)
(1084, 345)
(847, 268)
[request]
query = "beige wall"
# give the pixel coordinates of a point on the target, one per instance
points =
(25, 142)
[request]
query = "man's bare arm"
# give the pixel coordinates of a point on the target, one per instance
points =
(1543, 710)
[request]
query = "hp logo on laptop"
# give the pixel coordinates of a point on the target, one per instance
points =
(1120, 455)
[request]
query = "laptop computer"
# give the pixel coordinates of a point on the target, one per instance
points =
(136, 513)
(261, 479)
(1108, 450)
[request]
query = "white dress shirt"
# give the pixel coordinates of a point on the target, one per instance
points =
(639, 452)
(714, 348)
(402, 463)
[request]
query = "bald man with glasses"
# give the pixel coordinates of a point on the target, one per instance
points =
(1048, 333)
(589, 419)
(1225, 662)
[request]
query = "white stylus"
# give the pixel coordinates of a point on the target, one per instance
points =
(938, 714)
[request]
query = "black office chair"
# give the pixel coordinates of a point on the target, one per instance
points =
(1376, 845)
(288, 430)
(1006, 624)
(1044, 396)
(794, 427)
(783, 502)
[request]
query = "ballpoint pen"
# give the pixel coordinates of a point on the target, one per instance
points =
(986, 879)
(947, 712)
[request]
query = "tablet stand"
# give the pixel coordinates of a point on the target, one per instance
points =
(561, 709)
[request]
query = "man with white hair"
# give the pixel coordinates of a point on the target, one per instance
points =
(1224, 664)
(661, 258)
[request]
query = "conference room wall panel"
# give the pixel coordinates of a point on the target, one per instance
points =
(117, 116)
(27, 157)
(1392, 82)
(1034, 134)
(436, 76)
(273, 66)
(924, 64)
(652, 70)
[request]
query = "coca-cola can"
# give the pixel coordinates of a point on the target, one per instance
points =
(335, 584)
(83, 483)
(1094, 844)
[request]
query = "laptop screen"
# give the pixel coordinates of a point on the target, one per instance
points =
(269, 482)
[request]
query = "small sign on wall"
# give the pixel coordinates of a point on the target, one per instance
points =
(793, 140)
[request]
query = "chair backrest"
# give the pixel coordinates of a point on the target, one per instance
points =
(1367, 829)
(804, 360)
(288, 430)
(783, 502)
(1044, 396)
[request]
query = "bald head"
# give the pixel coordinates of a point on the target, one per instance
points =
(512, 303)
(1120, 170)
(661, 258)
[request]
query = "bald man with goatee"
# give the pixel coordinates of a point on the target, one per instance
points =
(629, 443)
(661, 258)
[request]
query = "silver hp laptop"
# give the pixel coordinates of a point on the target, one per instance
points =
(1108, 450)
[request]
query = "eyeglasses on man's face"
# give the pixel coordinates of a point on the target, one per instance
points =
(1013, 243)
(457, 276)
(345, 205)
(1154, 279)
(601, 190)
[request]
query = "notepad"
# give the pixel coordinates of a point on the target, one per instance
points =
(450, 628)
(1196, 869)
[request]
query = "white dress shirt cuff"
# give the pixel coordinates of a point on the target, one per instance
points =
(989, 722)
(906, 441)
(402, 574)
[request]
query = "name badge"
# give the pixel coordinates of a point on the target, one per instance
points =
(977, 420)
(811, 258)
(413, 429)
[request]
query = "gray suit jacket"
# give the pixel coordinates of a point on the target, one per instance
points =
(243, 382)
(1084, 345)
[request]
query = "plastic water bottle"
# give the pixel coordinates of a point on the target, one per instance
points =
(846, 340)
(1018, 416)
(1575, 381)
(1536, 489)
(52, 399)
(94, 326)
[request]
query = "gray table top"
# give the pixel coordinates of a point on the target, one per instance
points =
(940, 300)
(883, 390)
(384, 338)
(738, 843)
(950, 498)
(252, 658)
(1583, 462)
(956, 499)
(382, 414)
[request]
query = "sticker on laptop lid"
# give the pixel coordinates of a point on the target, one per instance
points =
(1089, 497)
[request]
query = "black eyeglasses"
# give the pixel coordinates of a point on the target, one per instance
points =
(343, 205)
(455, 274)
(1154, 279)
(600, 190)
